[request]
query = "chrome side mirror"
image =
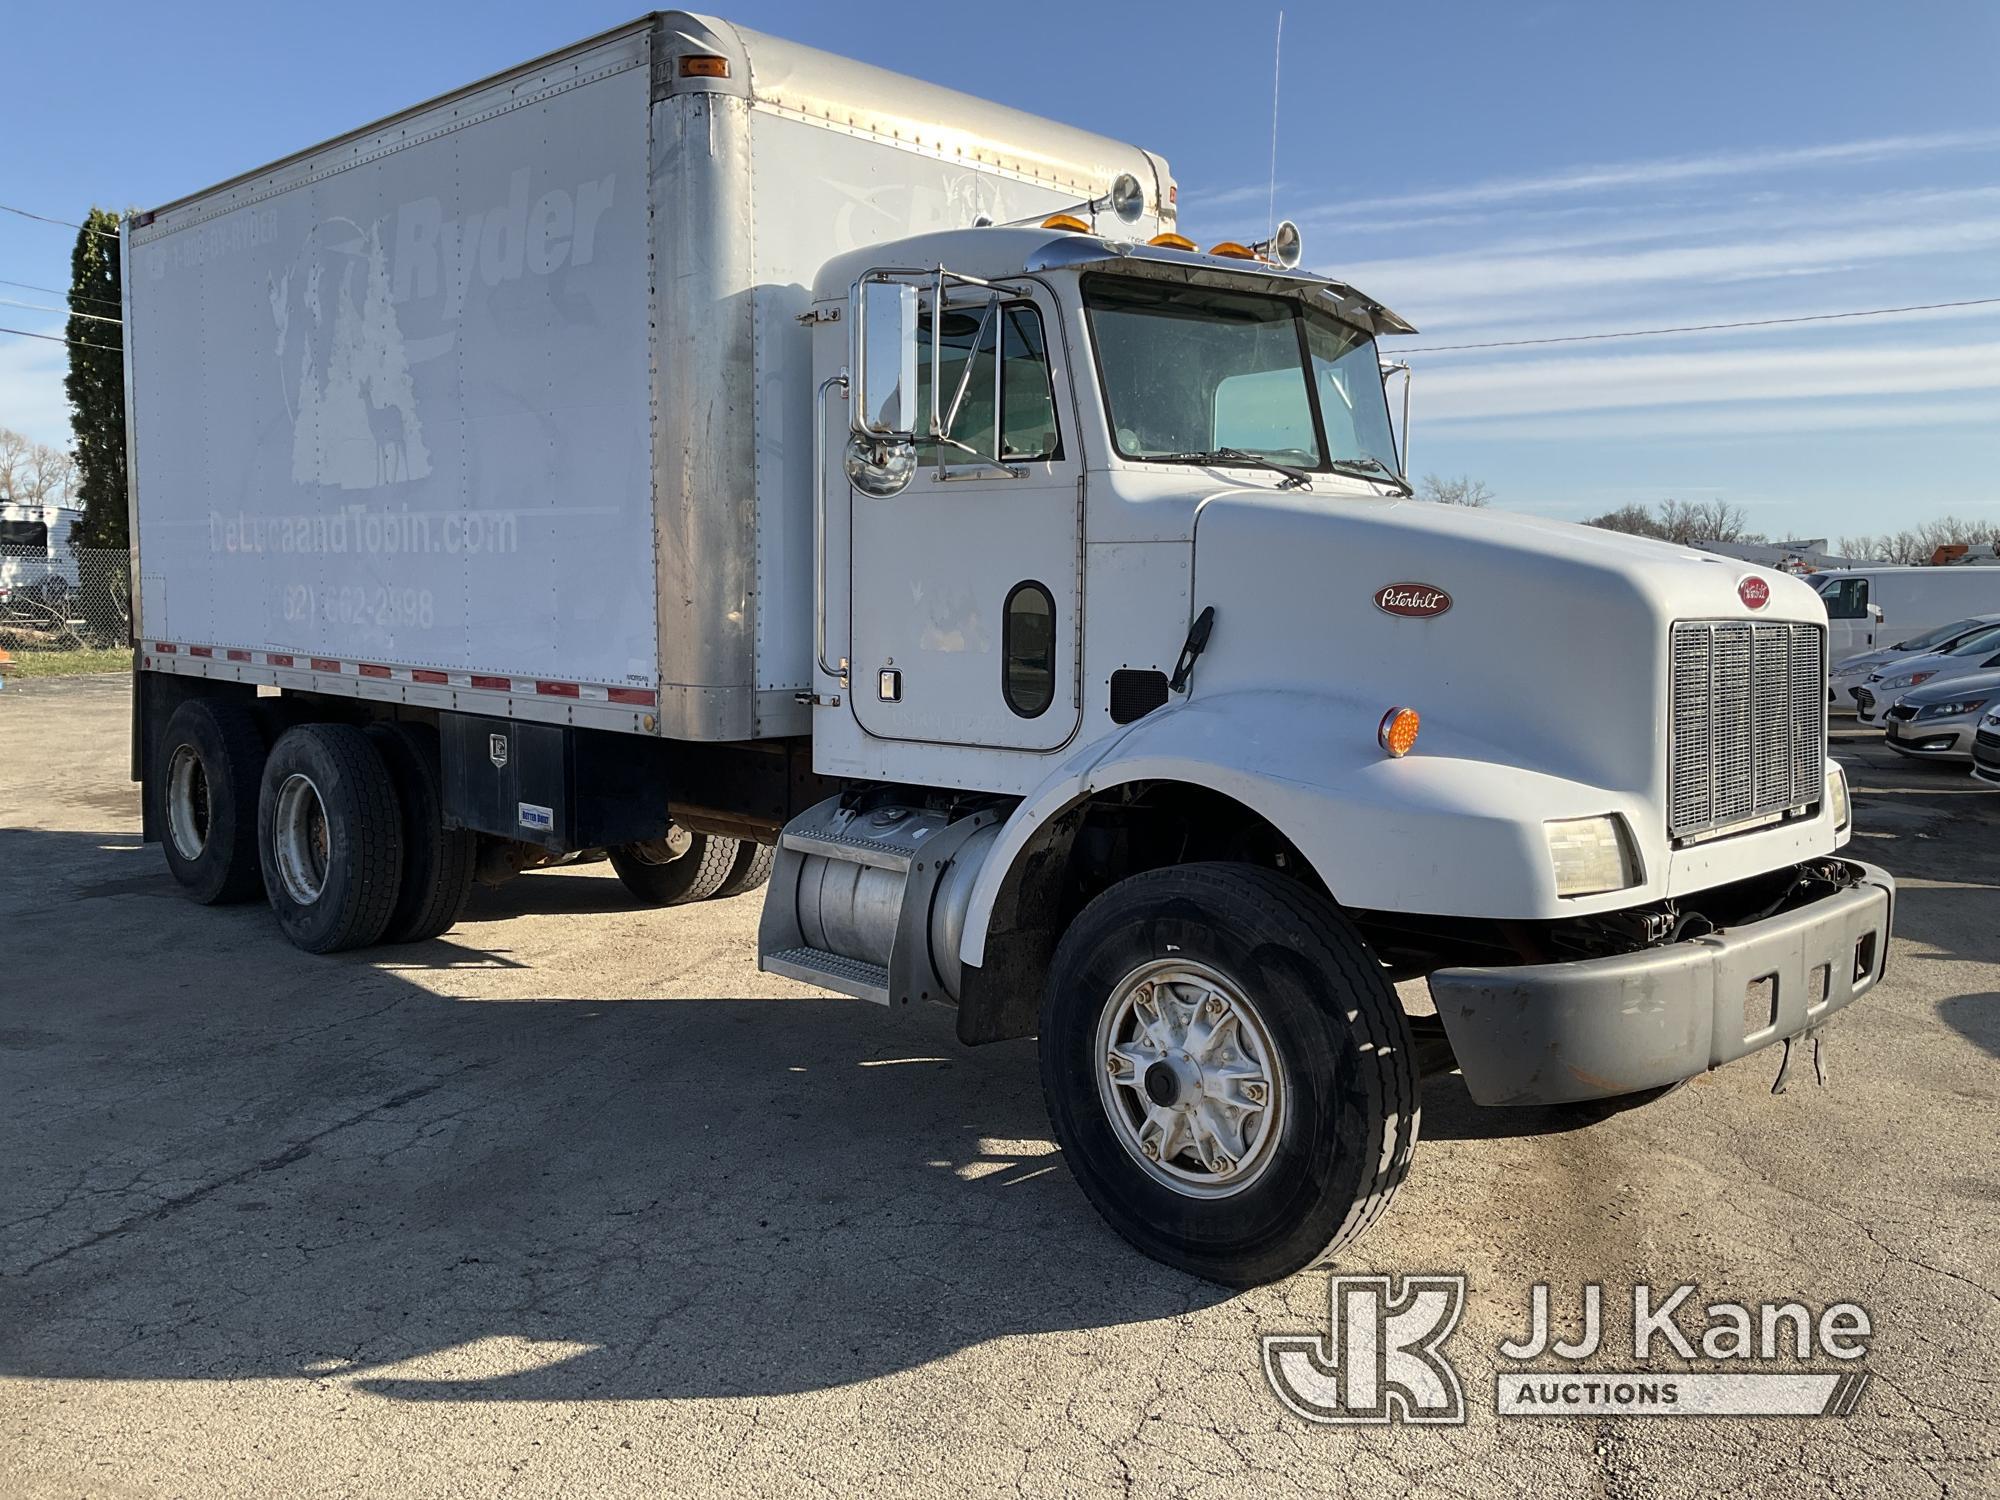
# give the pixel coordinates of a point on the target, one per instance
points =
(884, 358)
(880, 467)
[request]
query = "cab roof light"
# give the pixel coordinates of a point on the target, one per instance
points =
(1233, 250)
(1398, 731)
(1172, 241)
(1066, 221)
(704, 65)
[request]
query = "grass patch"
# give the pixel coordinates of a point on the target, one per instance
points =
(65, 663)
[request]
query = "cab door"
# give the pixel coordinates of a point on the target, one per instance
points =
(965, 627)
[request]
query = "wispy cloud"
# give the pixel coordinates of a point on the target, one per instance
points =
(1577, 384)
(1658, 171)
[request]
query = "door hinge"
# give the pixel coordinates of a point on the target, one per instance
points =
(817, 700)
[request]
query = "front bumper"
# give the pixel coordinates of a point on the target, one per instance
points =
(1596, 1028)
(1986, 754)
(1934, 739)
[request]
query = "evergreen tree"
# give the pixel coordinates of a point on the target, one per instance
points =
(96, 383)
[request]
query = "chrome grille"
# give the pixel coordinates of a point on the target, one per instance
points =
(1748, 722)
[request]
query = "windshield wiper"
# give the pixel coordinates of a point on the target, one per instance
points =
(1293, 475)
(1367, 466)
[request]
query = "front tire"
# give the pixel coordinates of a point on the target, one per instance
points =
(1230, 1076)
(205, 799)
(329, 830)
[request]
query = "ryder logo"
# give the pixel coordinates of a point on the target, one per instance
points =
(1754, 592)
(1413, 601)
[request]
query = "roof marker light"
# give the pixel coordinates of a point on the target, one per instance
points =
(1172, 241)
(703, 65)
(1066, 221)
(1233, 250)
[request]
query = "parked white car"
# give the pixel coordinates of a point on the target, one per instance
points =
(1852, 672)
(1976, 653)
(1938, 720)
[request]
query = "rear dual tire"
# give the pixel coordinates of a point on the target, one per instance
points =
(330, 837)
(692, 867)
(204, 799)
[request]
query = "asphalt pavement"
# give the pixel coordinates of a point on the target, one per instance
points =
(575, 1201)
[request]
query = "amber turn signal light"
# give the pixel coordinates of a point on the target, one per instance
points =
(1398, 731)
(701, 65)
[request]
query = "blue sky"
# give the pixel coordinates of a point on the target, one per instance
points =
(1492, 172)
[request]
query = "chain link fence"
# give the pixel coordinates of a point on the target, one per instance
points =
(63, 609)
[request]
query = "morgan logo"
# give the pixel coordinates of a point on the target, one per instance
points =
(1413, 601)
(1379, 1359)
(1754, 592)
(496, 751)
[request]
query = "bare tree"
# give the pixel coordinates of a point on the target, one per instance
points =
(1635, 520)
(1919, 543)
(1464, 490)
(34, 473)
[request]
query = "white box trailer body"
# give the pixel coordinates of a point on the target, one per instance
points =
(504, 403)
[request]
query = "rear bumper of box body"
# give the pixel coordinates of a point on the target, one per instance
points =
(1597, 1028)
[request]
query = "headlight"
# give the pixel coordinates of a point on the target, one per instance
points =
(1952, 709)
(1591, 855)
(1914, 679)
(1836, 797)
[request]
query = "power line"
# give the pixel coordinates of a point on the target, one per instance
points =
(38, 307)
(1641, 333)
(56, 291)
(56, 338)
(65, 223)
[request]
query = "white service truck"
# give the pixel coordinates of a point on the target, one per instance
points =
(702, 448)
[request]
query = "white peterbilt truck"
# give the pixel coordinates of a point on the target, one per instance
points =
(771, 470)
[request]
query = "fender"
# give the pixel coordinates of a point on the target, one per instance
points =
(1455, 826)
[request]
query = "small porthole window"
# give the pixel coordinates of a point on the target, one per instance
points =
(1028, 650)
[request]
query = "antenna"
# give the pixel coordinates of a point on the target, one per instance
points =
(1277, 59)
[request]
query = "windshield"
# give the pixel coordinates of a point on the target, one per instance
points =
(1944, 635)
(1199, 370)
(1986, 640)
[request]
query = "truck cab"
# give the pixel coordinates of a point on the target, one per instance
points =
(1126, 612)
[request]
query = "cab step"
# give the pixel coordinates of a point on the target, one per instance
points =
(832, 971)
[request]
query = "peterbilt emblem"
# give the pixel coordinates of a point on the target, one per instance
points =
(496, 750)
(1413, 601)
(1754, 592)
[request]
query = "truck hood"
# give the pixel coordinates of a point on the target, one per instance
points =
(1531, 642)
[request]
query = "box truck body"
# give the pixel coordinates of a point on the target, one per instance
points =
(512, 389)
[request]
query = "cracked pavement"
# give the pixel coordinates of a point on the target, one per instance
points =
(575, 1201)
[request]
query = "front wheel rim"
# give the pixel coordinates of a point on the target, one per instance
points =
(187, 802)
(1190, 1079)
(300, 840)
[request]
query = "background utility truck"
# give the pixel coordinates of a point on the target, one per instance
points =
(696, 446)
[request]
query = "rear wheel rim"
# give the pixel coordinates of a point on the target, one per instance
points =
(300, 839)
(187, 802)
(1190, 1079)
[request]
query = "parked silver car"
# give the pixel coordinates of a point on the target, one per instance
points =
(1938, 720)
(1976, 653)
(1852, 672)
(1986, 749)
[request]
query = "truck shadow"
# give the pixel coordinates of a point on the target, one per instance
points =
(229, 1160)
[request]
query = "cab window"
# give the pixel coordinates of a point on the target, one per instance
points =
(969, 339)
(1846, 598)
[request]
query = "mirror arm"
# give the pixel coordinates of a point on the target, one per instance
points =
(965, 375)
